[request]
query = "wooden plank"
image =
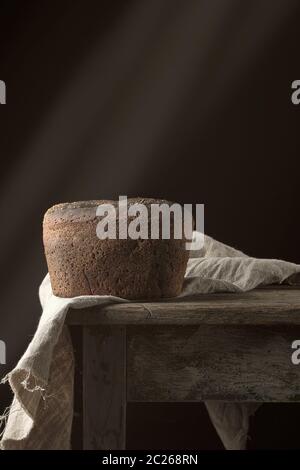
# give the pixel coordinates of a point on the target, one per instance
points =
(230, 363)
(258, 307)
(104, 388)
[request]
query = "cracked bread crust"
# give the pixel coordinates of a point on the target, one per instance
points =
(79, 263)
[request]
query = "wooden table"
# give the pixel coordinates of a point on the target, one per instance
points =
(232, 347)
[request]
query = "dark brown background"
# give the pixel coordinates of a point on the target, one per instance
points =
(187, 100)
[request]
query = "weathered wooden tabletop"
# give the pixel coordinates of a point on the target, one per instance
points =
(229, 347)
(264, 306)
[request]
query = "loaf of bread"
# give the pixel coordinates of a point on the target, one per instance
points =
(80, 263)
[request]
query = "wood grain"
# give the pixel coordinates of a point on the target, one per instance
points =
(231, 363)
(268, 306)
(104, 388)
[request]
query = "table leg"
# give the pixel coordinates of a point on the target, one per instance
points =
(104, 387)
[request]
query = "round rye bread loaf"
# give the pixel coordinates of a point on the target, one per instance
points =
(80, 263)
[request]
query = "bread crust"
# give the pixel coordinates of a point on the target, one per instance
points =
(80, 263)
